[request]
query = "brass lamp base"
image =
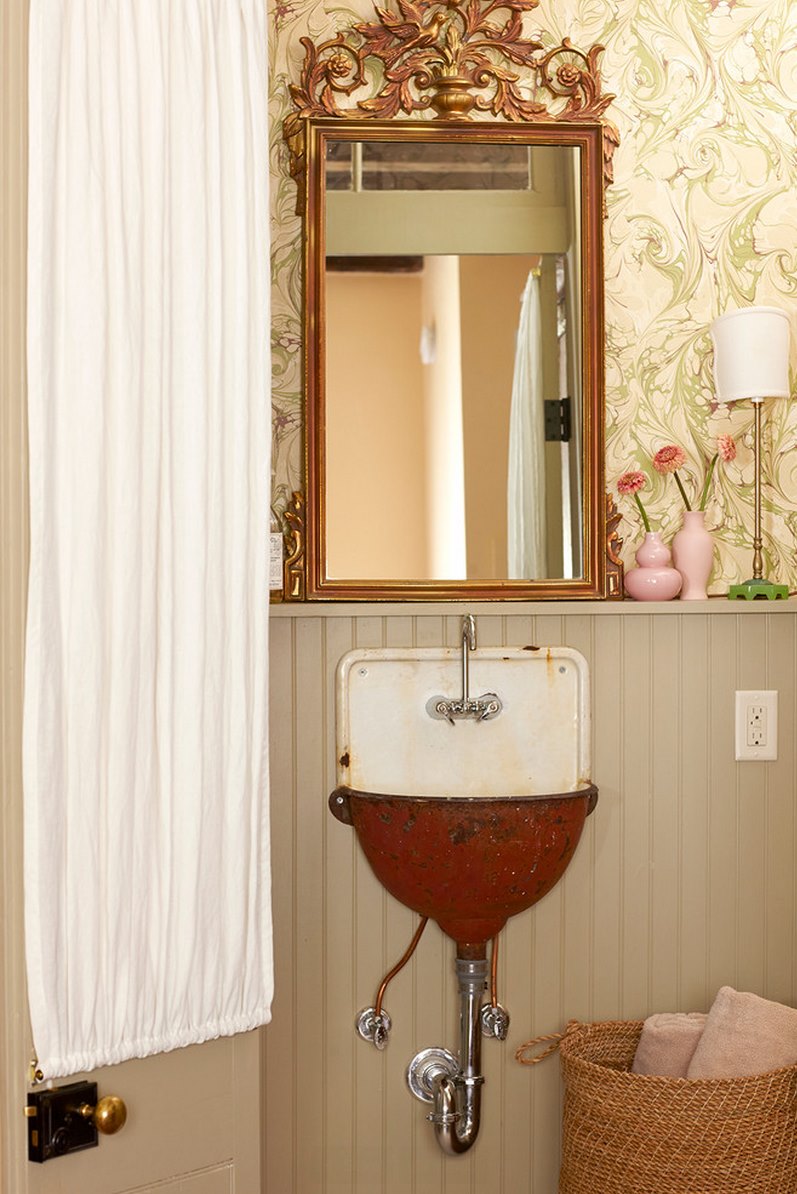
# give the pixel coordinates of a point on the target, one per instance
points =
(751, 590)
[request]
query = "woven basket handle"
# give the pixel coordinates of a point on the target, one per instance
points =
(523, 1054)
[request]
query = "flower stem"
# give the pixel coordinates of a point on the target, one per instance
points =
(709, 474)
(645, 521)
(683, 491)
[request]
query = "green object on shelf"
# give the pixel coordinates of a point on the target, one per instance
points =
(750, 590)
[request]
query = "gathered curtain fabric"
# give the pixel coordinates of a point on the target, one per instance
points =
(145, 753)
(526, 526)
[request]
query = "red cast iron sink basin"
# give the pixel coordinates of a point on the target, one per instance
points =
(468, 862)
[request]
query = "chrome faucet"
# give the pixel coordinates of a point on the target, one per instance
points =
(480, 708)
(468, 645)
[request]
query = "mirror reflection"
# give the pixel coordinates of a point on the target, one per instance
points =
(453, 361)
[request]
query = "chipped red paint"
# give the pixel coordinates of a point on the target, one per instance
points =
(468, 863)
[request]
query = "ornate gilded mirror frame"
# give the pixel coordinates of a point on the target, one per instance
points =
(456, 61)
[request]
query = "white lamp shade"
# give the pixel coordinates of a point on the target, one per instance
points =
(751, 354)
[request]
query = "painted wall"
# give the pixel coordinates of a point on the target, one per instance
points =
(376, 481)
(702, 218)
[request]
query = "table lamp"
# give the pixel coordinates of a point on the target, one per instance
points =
(751, 362)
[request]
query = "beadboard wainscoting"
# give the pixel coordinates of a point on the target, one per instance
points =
(684, 880)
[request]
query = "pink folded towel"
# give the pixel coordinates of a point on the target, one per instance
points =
(667, 1043)
(744, 1034)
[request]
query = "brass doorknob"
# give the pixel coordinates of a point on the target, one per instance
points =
(108, 1116)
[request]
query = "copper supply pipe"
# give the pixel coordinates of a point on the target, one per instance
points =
(402, 962)
(494, 972)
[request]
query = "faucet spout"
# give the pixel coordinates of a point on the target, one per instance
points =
(468, 645)
(479, 708)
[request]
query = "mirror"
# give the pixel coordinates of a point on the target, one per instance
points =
(452, 279)
(453, 348)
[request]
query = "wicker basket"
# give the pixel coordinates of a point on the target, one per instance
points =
(626, 1133)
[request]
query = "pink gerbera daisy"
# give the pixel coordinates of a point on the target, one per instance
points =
(631, 483)
(669, 458)
(726, 448)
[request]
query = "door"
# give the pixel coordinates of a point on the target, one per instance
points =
(193, 1115)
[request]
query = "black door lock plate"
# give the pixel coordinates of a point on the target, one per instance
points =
(57, 1121)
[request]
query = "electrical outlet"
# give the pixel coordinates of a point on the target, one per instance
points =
(757, 725)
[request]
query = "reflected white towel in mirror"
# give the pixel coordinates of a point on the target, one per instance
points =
(526, 485)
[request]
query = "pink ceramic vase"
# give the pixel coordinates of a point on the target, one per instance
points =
(693, 555)
(653, 579)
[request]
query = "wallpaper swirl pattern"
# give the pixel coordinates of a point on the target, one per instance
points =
(702, 218)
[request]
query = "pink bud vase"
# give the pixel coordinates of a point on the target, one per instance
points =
(654, 579)
(693, 555)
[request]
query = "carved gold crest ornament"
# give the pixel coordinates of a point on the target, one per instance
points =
(453, 58)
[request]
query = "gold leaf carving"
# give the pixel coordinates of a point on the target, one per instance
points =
(294, 585)
(454, 57)
(614, 542)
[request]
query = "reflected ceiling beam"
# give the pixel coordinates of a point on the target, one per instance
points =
(401, 223)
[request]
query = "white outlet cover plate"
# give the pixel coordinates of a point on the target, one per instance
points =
(769, 699)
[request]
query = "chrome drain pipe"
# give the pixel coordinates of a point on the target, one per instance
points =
(454, 1087)
(458, 1099)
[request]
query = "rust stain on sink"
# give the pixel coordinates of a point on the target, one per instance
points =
(468, 862)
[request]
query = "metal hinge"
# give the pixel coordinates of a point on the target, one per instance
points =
(557, 420)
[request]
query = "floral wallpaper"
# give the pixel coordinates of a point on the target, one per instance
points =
(702, 218)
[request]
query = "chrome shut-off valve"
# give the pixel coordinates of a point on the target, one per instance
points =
(494, 1021)
(374, 1026)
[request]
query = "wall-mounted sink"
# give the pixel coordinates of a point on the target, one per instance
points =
(471, 822)
(469, 809)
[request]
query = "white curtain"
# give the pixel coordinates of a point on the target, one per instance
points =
(148, 918)
(526, 486)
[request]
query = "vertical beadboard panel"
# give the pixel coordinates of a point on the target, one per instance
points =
(279, 1043)
(780, 930)
(722, 877)
(340, 907)
(606, 911)
(695, 780)
(684, 880)
(665, 811)
(635, 707)
(13, 575)
(309, 964)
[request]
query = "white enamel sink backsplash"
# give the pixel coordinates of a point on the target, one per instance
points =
(387, 741)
